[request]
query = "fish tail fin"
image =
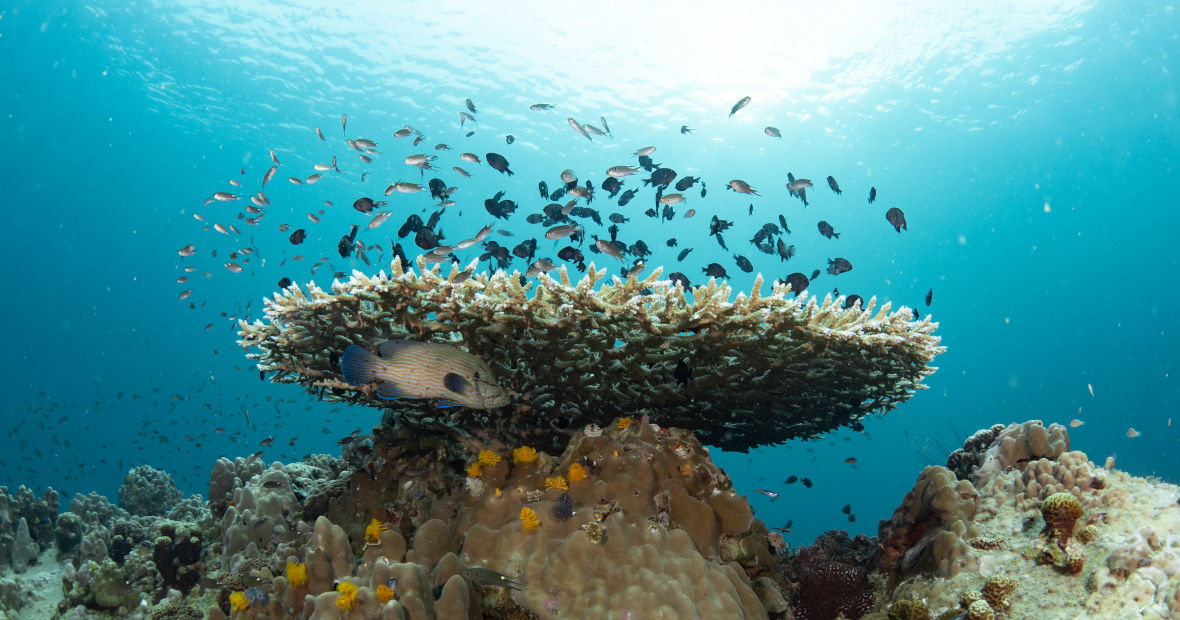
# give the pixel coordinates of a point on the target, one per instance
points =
(359, 365)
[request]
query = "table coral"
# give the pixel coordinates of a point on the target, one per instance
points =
(578, 352)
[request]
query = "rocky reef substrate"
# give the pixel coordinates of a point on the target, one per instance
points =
(631, 520)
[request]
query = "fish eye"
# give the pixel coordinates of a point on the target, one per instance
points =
(336, 584)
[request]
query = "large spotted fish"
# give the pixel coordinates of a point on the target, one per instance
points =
(413, 369)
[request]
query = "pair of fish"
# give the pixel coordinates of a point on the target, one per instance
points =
(425, 370)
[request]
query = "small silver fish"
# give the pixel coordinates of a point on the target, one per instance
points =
(542, 265)
(647, 150)
(561, 231)
(578, 128)
(773, 132)
(461, 172)
(742, 187)
(470, 157)
(621, 171)
(608, 248)
(798, 184)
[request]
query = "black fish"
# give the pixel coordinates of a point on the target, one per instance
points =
(769, 229)
(364, 205)
(929, 296)
(671, 242)
(917, 315)
(626, 197)
(619, 218)
(872, 195)
(400, 254)
(721, 241)
(574, 255)
(826, 230)
(412, 224)
(896, 218)
(557, 193)
(299, 235)
(587, 212)
(685, 129)
(652, 213)
(509, 138)
(814, 274)
(285, 282)
(807, 482)
(798, 282)
(782, 220)
(346, 242)
(834, 185)
(434, 218)
(646, 163)
(852, 300)
(682, 254)
(535, 218)
(803, 196)
(717, 225)
(677, 277)
(426, 239)
(612, 185)
(791, 480)
(661, 177)
(715, 271)
(497, 161)
(469, 134)
(682, 373)
(686, 182)
(553, 211)
(499, 208)
(525, 249)
(852, 518)
(743, 263)
(614, 232)
(640, 249)
(544, 187)
(847, 509)
(438, 189)
(703, 188)
(751, 210)
(837, 266)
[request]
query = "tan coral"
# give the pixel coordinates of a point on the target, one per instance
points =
(580, 352)
(997, 590)
(1061, 512)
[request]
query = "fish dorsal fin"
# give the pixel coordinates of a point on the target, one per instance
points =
(456, 383)
(390, 349)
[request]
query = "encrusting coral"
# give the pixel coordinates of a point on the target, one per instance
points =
(573, 353)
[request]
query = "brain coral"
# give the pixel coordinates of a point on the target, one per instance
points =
(576, 354)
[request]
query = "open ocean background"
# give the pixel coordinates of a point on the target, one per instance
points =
(1030, 144)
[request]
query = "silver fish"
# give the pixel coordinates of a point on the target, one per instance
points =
(578, 128)
(561, 231)
(621, 171)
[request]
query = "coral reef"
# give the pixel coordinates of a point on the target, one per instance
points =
(26, 525)
(574, 354)
(148, 491)
(1086, 541)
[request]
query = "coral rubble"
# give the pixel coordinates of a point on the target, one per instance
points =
(575, 354)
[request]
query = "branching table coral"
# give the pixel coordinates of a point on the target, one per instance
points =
(753, 370)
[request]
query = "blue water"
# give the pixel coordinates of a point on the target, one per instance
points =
(1030, 147)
